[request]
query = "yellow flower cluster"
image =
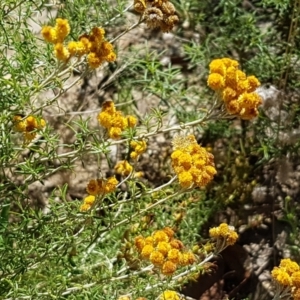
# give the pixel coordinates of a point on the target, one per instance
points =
(139, 147)
(114, 121)
(224, 234)
(157, 13)
(58, 33)
(93, 45)
(288, 275)
(235, 88)
(169, 295)
(123, 168)
(101, 186)
(28, 126)
(191, 162)
(87, 203)
(164, 251)
(98, 187)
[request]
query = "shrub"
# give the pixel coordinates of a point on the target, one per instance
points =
(104, 188)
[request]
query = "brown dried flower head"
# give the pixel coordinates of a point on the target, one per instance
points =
(153, 17)
(157, 13)
(140, 6)
(168, 8)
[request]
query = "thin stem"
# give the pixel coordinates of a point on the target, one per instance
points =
(127, 30)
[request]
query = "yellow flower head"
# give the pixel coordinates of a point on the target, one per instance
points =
(185, 179)
(241, 75)
(216, 81)
(139, 148)
(281, 276)
(61, 52)
(118, 120)
(87, 203)
(123, 168)
(19, 124)
(101, 49)
(89, 200)
(149, 240)
(156, 258)
(62, 29)
(229, 94)
(28, 126)
(168, 268)
(110, 185)
(84, 207)
(231, 78)
(253, 83)
(169, 295)
(109, 107)
(113, 120)
(175, 256)
(139, 243)
(110, 57)
(296, 279)
(248, 104)
(163, 251)
(29, 136)
(131, 121)
(217, 66)
(296, 294)
(233, 107)
(146, 251)
(249, 100)
(169, 231)
(228, 62)
(105, 49)
(224, 232)
(176, 244)
(187, 258)
(92, 187)
(185, 160)
(94, 60)
(232, 238)
(289, 266)
(242, 86)
(159, 236)
(164, 248)
(115, 132)
(98, 33)
(31, 123)
(49, 34)
(105, 119)
(77, 48)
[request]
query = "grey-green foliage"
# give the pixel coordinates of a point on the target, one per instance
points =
(49, 253)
